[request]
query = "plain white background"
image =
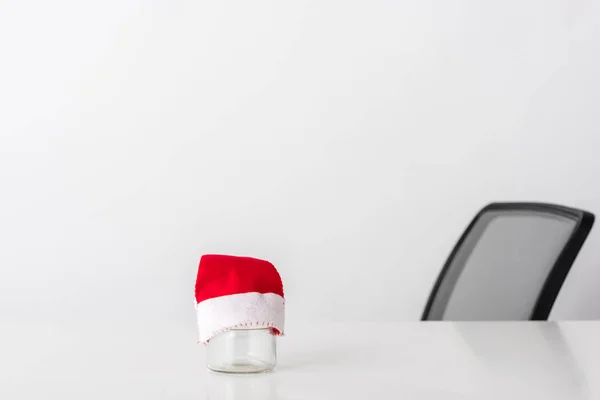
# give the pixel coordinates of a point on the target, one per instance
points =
(349, 142)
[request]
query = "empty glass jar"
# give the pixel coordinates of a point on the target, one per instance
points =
(242, 351)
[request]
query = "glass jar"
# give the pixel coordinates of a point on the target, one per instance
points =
(242, 351)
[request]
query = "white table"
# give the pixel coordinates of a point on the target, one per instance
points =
(160, 360)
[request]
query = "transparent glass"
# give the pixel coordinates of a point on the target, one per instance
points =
(242, 351)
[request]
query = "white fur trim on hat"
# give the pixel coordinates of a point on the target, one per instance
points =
(239, 311)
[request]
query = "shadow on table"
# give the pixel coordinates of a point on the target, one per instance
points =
(221, 386)
(543, 354)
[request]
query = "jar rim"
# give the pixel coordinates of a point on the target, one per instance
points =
(250, 328)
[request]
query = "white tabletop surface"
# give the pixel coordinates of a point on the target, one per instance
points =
(410, 360)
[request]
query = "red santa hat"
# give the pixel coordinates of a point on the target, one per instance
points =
(237, 292)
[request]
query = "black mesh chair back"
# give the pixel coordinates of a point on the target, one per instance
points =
(509, 264)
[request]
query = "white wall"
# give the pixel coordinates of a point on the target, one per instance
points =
(349, 142)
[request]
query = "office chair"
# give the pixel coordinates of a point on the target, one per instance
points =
(509, 264)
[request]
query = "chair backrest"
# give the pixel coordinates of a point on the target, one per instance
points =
(509, 264)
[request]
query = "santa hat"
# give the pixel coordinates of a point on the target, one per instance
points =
(237, 292)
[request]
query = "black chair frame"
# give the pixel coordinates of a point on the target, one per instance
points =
(560, 269)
